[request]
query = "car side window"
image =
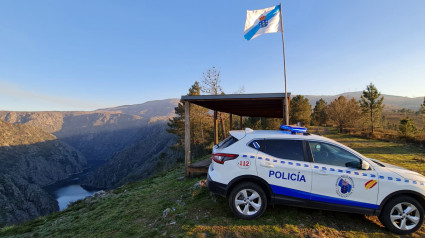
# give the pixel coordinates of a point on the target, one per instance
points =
(332, 155)
(285, 149)
(258, 144)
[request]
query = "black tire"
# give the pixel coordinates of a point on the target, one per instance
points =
(251, 205)
(405, 221)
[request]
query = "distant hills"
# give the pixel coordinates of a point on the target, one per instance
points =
(97, 134)
(391, 102)
(154, 110)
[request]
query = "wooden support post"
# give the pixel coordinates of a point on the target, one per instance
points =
(284, 112)
(215, 128)
(288, 101)
(240, 124)
(187, 137)
(231, 122)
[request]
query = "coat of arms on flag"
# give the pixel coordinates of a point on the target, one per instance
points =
(263, 22)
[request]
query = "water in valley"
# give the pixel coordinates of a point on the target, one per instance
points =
(70, 193)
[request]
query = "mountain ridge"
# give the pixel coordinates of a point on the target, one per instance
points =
(100, 133)
(30, 159)
(391, 101)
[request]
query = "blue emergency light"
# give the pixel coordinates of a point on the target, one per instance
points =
(293, 129)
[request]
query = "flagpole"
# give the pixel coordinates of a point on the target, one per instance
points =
(284, 68)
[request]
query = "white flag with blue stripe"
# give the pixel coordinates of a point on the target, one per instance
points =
(261, 21)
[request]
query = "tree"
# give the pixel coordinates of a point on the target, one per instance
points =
(422, 110)
(300, 110)
(371, 103)
(263, 123)
(343, 112)
(211, 84)
(406, 127)
(197, 116)
(176, 127)
(199, 126)
(319, 116)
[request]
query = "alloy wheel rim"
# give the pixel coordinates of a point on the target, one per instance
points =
(405, 216)
(248, 202)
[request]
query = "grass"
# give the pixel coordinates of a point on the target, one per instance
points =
(136, 210)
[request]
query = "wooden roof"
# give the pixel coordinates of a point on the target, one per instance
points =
(252, 105)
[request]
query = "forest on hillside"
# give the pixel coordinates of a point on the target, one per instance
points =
(365, 116)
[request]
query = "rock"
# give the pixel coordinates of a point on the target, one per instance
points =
(100, 193)
(180, 203)
(180, 178)
(166, 212)
(200, 184)
(172, 223)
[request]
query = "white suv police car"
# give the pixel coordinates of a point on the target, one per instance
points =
(256, 168)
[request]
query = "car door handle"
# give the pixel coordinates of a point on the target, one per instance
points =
(322, 172)
(268, 165)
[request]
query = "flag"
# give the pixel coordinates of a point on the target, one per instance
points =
(261, 21)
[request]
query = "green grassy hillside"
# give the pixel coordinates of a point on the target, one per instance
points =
(137, 209)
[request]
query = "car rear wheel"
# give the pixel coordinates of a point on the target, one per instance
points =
(402, 215)
(247, 201)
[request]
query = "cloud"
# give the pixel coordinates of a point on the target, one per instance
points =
(16, 92)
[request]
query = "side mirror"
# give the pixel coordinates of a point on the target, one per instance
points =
(365, 165)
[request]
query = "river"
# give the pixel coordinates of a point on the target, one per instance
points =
(70, 193)
(70, 189)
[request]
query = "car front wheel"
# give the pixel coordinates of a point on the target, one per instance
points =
(247, 200)
(402, 215)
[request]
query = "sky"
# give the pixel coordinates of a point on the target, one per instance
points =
(84, 55)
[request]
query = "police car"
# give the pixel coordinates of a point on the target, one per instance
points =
(289, 166)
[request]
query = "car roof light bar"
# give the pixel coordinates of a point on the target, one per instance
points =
(293, 129)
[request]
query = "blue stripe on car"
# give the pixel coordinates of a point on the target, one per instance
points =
(320, 198)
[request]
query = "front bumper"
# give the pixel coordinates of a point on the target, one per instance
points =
(215, 187)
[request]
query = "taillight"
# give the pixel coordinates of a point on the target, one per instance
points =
(220, 158)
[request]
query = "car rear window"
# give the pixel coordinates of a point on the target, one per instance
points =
(227, 142)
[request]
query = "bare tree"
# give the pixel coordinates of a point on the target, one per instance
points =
(211, 84)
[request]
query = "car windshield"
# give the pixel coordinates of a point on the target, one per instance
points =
(377, 162)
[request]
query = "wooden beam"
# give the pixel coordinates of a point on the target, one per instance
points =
(231, 122)
(187, 137)
(215, 128)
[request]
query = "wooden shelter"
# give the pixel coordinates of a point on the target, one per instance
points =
(270, 105)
